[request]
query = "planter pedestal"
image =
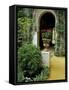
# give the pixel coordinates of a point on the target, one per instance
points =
(46, 58)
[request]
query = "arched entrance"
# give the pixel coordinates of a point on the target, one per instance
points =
(46, 25)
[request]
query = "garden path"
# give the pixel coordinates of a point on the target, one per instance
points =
(57, 68)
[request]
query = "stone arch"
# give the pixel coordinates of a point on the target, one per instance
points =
(41, 13)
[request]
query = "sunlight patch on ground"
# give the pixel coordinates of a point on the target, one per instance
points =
(57, 68)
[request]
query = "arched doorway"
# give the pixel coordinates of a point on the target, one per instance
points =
(47, 23)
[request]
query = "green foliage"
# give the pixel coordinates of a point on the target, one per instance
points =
(25, 22)
(30, 67)
(24, 30)
(60, 30)
(43, 75)
(61, 21)
(23, 12)
(47, 35)
(30, 60)
(20, 76)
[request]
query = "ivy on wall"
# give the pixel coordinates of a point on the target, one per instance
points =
(60, 31)
(25, 22)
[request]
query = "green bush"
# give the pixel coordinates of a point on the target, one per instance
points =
(24, 33)
(43, 76)
(30, 60)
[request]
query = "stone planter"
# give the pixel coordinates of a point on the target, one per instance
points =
(46, 58)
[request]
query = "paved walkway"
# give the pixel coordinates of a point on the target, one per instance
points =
(57, 68)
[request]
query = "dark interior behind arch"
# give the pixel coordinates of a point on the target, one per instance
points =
(47, 22)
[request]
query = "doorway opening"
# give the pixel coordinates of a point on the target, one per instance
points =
(47, 23)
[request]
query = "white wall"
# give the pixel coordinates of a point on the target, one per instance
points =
(4, 45)
(34, 41)
(46, 58)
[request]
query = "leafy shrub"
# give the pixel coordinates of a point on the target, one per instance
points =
(43, 75)
(30, 60)
(24, 32)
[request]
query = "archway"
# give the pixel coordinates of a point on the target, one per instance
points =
(47, 23)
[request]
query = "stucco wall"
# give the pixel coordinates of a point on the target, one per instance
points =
(37, 15)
